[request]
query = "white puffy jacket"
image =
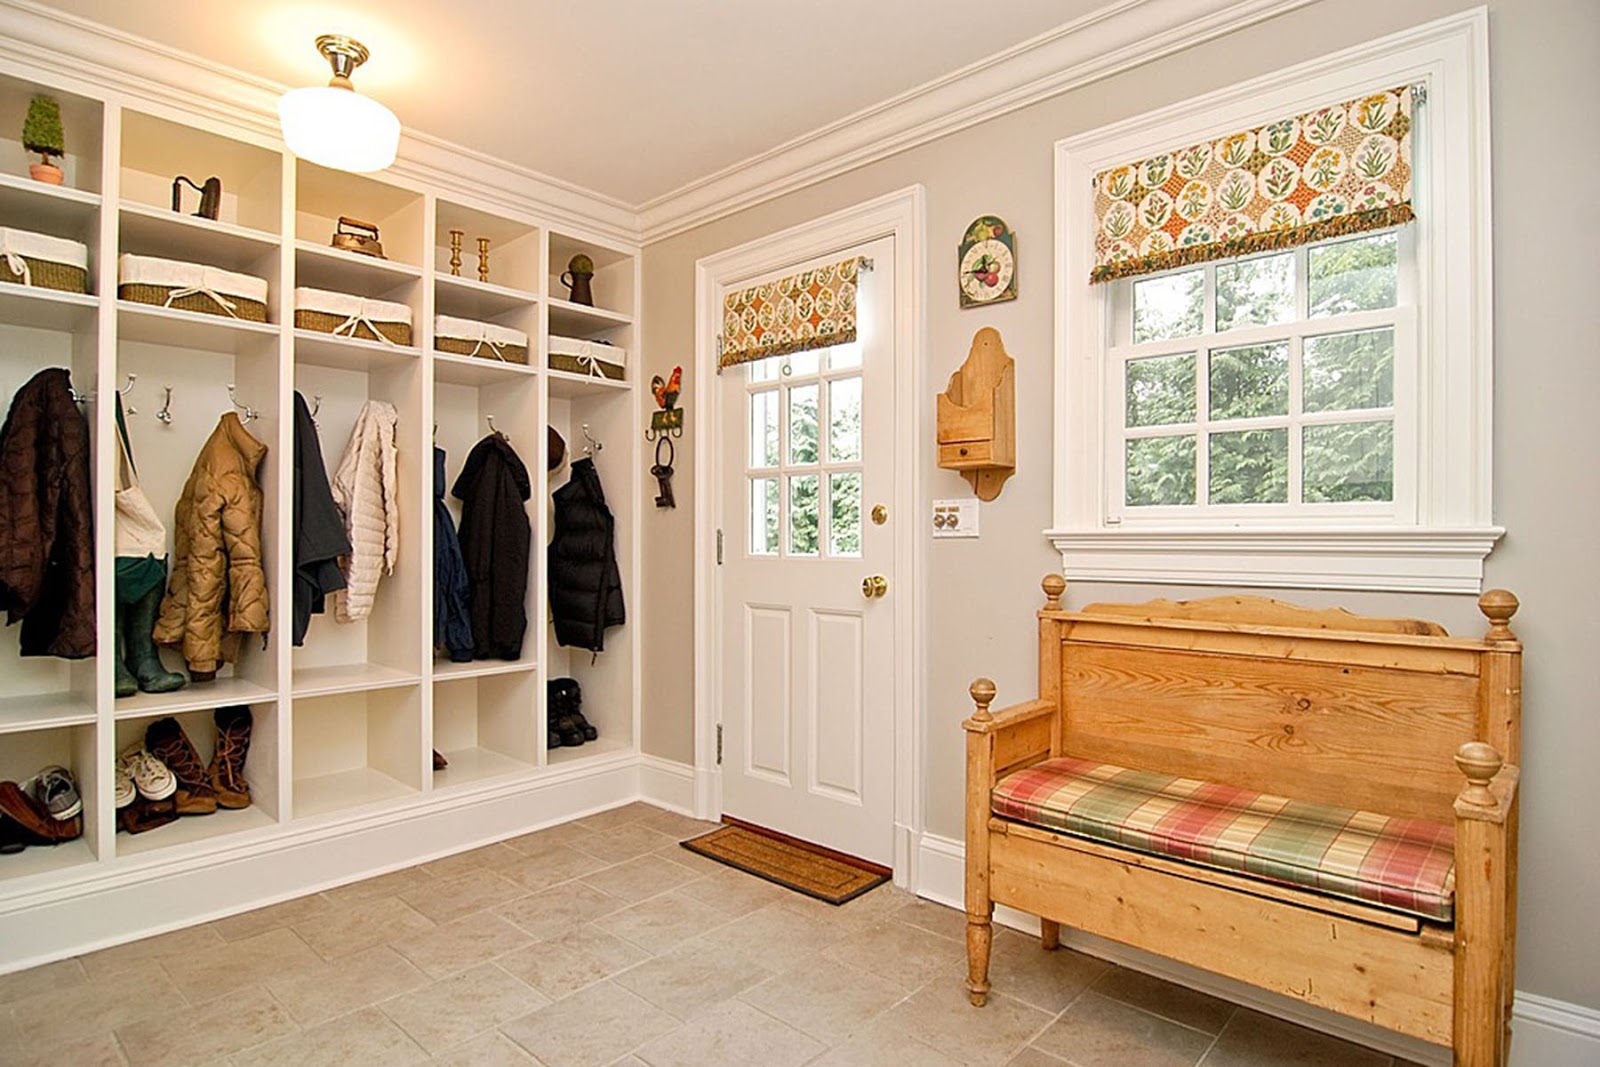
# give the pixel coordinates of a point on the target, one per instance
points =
(364, 489)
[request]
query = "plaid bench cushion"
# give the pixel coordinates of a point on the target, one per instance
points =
(1404, 864)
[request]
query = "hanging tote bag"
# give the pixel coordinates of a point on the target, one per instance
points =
(141, 539)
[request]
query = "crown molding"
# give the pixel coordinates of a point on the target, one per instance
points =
(53, 47)
(1112, 39)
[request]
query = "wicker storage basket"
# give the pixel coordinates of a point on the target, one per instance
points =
(42, 261)
(594, 358)
(467, 337)
(352, 316)
(191, 287)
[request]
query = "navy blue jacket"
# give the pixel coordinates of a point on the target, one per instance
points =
(452, 626)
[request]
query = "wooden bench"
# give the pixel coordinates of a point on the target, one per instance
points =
(1388, 716)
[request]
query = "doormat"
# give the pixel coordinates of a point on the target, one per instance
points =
(806, 868)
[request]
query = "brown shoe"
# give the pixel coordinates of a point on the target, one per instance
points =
(145, 814)
(168, 743)
(226, 773)
(35, 826)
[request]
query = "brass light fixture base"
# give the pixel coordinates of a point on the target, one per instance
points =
(345, 54)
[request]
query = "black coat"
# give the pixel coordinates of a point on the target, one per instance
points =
(319, 537)
(585, 584)
(495, 540)
(452, 625)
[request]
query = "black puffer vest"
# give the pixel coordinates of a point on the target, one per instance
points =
(585, 584)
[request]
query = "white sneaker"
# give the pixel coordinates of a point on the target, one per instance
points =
(150, 776)
(125, 789)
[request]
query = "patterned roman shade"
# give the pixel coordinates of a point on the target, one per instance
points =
(813, 309)
(1339, 169)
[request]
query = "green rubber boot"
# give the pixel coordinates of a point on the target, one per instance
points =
(143, 658)
(126, 684)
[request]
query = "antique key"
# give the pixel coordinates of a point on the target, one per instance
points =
(663, 474)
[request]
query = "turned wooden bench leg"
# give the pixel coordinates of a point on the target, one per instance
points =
(980, 938)
(1050, 934)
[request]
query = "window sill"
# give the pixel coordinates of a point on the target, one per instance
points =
(1441, 560)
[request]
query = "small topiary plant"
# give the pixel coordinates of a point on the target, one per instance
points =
(41, 130)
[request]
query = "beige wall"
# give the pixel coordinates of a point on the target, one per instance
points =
(1545, 60)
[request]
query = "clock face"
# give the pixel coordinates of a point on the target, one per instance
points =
(988, 271)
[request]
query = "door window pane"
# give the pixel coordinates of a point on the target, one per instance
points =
(1361, 274)
(763, 370)
(1160, 390)
(764, 428)
(1255, 292)
(1349, 371)
(1168, 306)
(1160, 471)
(1250, 382)
(1351, 461)
(844, 357)
(844, 420)
(803, 507)
(803, 424)
(1250, 467)
(804, 364)
(763, 516)
(844, 514)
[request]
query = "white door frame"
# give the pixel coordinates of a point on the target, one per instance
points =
(899, 214)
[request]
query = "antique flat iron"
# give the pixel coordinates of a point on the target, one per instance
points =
(353, 235)
(210, 196)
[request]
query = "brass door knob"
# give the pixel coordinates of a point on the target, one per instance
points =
(874, 585)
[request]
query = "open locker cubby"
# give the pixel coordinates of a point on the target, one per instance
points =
(82, 135)
(323, 196)
(23, 753)
(513, 282)
(485, 726)
(354, 749)
(385, 648)
(260, 770)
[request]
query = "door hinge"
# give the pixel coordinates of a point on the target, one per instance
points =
(719, 548)
(719, 744)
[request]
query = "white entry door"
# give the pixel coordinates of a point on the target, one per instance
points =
(808, 688)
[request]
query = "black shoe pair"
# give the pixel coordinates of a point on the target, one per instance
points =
(567, 726)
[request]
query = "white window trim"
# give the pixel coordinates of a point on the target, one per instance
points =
(1444, 549)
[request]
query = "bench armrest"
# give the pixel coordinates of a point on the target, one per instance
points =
(1005, 718)
(1491, 789)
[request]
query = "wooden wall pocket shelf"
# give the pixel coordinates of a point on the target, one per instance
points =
(978, 417)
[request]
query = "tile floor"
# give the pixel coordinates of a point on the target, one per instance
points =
(601, 943)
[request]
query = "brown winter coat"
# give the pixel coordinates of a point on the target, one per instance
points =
(46, 519)
(218, 590)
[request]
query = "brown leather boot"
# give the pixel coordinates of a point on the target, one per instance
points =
(36, 825)
(226, 773)
(144, 814)
(168, 743)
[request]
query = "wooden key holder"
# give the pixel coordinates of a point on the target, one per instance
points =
(978, 417)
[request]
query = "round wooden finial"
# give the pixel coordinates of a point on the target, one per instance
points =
(1480, 763)
(1053, 585)
(1498, 605)
(983, 692)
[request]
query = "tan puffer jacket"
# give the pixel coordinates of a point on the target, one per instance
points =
(364, 487)
(216, 565)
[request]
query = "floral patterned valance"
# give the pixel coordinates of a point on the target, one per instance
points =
(813, 309)
(1336, 170)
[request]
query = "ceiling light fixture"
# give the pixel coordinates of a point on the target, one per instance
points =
(335, 126)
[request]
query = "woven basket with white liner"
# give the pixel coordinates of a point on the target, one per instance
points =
(42, 261)
(594, 358)
(173, 283)
(468, 337)
(352, 316)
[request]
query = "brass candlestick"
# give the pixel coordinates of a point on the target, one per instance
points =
(455, 252)
(483, 259)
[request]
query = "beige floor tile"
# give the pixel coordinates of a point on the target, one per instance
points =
(935, 918)
(661, 923)
(228, 1024)
(461, 945)
(548, 838)
(692, 861)
(675, 825)
(1032, 1057)
(693, 978)
(317, 993)
(630, 1061)
(447, 899)
(62, 974)
(348, 930)
(623, 843)
(1254, 1040)
(592, 1027)
(940, 1015)
(557, 864)
(731, 1035)
(448, 1012)
(100, 1050)
(733, 893)
(489, 857)
(120, 958)
(384, 885)
(230, 965)
(272, 917)
(872, 906)
(1166, 999)
(640, 878)
(881, 1045)
(557, 912)
(583, 957)
(363, 1037)
(1021, 969)
(901, 954)
(615, 817)
(1098, 1032)
(98, 1006)
(486, 1050)
(10, 1036)
(785, 937)
(831, 1004)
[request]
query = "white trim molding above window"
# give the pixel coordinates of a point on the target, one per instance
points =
(1314, 416)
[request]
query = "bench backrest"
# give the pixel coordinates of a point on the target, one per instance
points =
(1322, 706)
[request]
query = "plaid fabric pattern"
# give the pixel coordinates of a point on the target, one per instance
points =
(1404, 864)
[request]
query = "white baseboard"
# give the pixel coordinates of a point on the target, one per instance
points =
(667, 784)
(1546, 1032)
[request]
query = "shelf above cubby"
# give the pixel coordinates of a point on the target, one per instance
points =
(471, 299)
(600, 748)
(349, 353)
(568, 385)
(46, 309)
(342, 790)
(150, 231)
(348, 678)
(221, 693)
(470, 765)
(447, 671)
(30, 205)
(325, 267)
(578, 320)
(475, 370)
(45, 859)
(192, 829)
(44, 711)
(190, 329)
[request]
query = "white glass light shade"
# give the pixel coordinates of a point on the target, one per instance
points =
(339, 128)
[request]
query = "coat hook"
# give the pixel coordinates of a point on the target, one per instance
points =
(249, 412)
(129, 409)
(165, 414)
(316, 405)
(593, 446)
(496, 430)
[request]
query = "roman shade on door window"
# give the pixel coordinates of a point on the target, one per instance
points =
(815, 308)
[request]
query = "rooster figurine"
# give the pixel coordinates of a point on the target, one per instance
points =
(666, 392)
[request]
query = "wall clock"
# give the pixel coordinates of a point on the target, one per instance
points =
(988, 257)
